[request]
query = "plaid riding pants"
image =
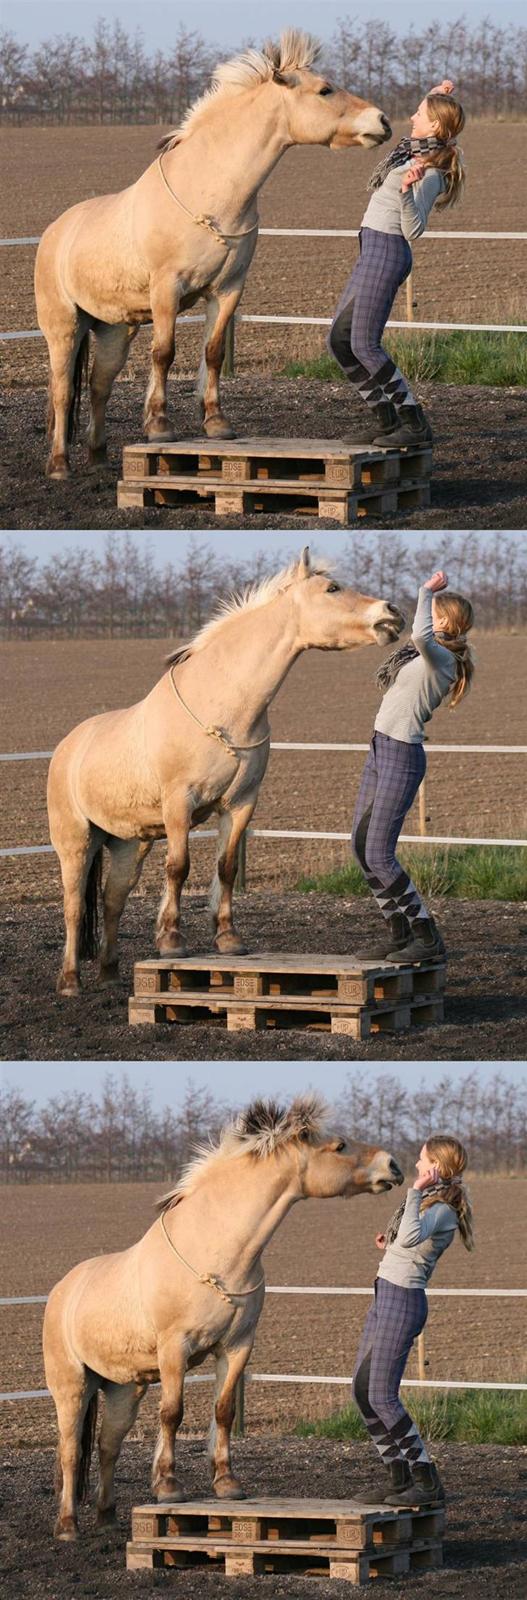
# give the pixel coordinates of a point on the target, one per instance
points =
(389, 784)
(393, 1322)
(362, 313)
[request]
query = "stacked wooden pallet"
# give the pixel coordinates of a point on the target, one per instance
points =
(339, 1538)
(322, 477)
(336, 993)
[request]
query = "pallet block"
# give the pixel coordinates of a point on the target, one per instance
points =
(323, 477)
(341, 1539)
(335, 993)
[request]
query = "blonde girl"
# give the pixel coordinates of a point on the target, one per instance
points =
(436, 665)
(436, 1208)
(423, 170)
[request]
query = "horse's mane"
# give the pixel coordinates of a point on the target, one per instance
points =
(248, 599)
(259, 1130)
(296, 52)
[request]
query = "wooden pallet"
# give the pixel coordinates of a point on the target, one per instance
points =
(336, 993)
(320, 477)
(341, 1538)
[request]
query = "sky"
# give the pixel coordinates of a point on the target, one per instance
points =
(227, 542)
(233, 1081)
(234, 20)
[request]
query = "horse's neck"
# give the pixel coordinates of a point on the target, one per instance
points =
(221, 165)
(235, 678)
(232, 1214)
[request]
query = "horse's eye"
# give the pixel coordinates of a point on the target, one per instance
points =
(326, 89)
(341, 1146)
(333, 588)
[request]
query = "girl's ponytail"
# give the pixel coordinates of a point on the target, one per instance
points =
(451, 1157)
(450, 119)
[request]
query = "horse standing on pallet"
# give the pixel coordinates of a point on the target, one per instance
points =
(193, 1286)
(187, 228)
(198, 744)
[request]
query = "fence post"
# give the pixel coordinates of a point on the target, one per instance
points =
(228, 359)
(238, 1426)
(241, 875)
(422, 1362)
(422, 808)
(410, 297)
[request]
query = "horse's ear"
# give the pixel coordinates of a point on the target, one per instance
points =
(304, 565)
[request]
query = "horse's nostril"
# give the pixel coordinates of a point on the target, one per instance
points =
(385, 124)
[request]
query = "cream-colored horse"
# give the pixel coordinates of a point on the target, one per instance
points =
(187, 228)
(193, 1286)
(198, 744)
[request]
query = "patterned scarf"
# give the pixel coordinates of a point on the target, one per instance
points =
(402, 152)
(394, 1224)
(389, 670)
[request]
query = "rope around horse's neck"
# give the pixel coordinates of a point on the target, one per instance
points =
(209, 1278)
(212, 731)
(201, 220)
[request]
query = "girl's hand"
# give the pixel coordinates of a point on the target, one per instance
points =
(380, 1240)
(414, 172)
(431, 1176)
(446, 87)
(438, 581)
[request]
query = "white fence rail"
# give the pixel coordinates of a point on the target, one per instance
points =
(331, 1380)
(302, 833)
(331, 233)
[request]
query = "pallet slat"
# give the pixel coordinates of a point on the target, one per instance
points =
(339, 505)
(338, 1018)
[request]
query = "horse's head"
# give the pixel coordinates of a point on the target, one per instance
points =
(315, 109)
(336, 1167)
(330, 616)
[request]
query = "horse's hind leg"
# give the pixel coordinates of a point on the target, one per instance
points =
(111, 346)
(126, 862)
(74, 1392)
(65, 329)
(121, 1405)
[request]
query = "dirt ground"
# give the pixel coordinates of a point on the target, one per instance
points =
(53, 685)
(48, 1227)
(478, 473)
(485, 1544)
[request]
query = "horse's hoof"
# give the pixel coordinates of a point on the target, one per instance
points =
(68, 984)
(161, 435)
(229, 1489)
(227, 944)
(106, 1516)
(58, 470)
(66, 1530)
(98, 457)
(172, 947)
(169, 1492)
(218, 428)
(109, 974)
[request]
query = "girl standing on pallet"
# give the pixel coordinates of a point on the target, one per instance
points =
(423, 169)
(437, 664)
(417, 1235)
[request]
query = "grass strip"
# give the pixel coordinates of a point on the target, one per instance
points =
(477, 1416)
(469, 872)
(497, 359)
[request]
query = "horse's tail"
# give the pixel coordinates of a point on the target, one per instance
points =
(89, 940)
(80, 379)
(89, 1429)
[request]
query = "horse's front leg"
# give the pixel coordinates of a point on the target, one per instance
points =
(230, 1364)
(168, 932)
(232, 826)
(164, 305)
(172, 1365)
(219, 313)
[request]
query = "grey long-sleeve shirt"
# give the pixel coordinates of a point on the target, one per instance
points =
(421, 684)
(391, 211)
(421, 1240)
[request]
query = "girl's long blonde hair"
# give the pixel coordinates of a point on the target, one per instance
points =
(451, 1157)
(457, 617)
(450, 119)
